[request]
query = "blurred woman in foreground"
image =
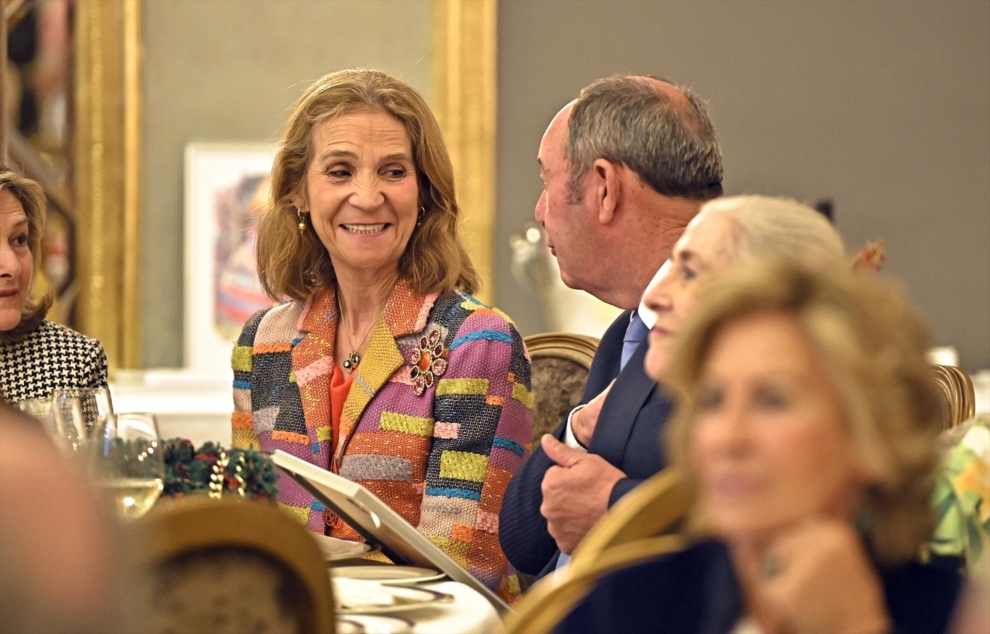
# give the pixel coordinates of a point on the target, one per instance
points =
(37, 356)
(806, 422)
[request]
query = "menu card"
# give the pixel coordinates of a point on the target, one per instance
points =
(378, 524)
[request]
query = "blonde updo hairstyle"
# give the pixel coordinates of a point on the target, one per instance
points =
(292, 264)
(32, 199)
(871, 344)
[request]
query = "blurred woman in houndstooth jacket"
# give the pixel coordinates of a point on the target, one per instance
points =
(36, 356)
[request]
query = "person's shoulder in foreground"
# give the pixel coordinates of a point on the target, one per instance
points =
(59, 552)
(696, 590)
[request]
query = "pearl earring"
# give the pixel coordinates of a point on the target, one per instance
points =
(302, 222)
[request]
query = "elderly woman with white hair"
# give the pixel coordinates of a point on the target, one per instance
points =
(730, 231)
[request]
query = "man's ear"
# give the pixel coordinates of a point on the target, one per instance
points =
(608, 189)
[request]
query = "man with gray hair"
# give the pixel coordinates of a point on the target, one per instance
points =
(625, 167)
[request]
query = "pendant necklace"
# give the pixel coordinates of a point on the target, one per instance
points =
(353, 359)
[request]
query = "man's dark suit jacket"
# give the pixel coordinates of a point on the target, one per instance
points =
(627, 436)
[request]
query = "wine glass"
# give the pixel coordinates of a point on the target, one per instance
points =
(63, 420)
(41, 410)
(70, 426)
(129, 462)
(95, 402)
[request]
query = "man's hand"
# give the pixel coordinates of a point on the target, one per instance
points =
(575, 492)
(584, 421)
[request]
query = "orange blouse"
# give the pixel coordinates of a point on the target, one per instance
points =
(339, 387)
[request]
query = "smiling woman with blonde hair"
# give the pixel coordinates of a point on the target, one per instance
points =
(381, 367)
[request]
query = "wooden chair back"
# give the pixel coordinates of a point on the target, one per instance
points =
(560, 365)
(959, 397)
(228, 566)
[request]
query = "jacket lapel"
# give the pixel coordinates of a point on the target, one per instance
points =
(312, 365)
(621, 408)
(405, 313)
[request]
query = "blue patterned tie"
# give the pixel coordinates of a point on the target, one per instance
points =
(635, 333)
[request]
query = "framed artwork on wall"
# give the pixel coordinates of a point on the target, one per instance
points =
(227, 186)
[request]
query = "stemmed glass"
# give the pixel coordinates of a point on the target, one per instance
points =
(70, 425)
(62, 419)
(95, 403)
(41, 410)
(128, 462)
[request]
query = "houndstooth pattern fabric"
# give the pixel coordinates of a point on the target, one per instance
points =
(53, 357)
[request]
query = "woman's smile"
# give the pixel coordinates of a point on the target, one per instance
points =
(367, 229)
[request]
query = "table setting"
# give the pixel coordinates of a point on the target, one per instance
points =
(126, 459)
(122, 453)
(372, 597)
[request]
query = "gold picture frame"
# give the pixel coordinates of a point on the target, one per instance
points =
(465, 64)
(108, 155)
(108, 175)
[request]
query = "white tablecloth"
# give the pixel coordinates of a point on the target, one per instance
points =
(470, 613)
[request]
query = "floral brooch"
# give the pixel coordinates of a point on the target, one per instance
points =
(429, 361)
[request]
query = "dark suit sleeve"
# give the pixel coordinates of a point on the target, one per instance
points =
(623, 486)
(522, 530)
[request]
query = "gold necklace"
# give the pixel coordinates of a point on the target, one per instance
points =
(353, 359)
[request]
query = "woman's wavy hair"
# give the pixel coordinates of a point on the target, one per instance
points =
(32, 199)
(872, 344)
(292, 264)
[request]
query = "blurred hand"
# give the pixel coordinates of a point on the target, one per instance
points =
(584, 421)
(817, 579)
(575, 492)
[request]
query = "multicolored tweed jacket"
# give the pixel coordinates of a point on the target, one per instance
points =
(438, 418)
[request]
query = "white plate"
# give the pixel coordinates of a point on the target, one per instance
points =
(356, 596)
(394, 575)
(334, 549)
(373, 624)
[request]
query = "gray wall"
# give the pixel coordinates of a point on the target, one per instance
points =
(882, 106)
(229, 71)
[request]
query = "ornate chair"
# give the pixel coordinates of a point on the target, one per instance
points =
(553, 598)
(231, 566)
(560, 364)
(654, 508)
(959, 402)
